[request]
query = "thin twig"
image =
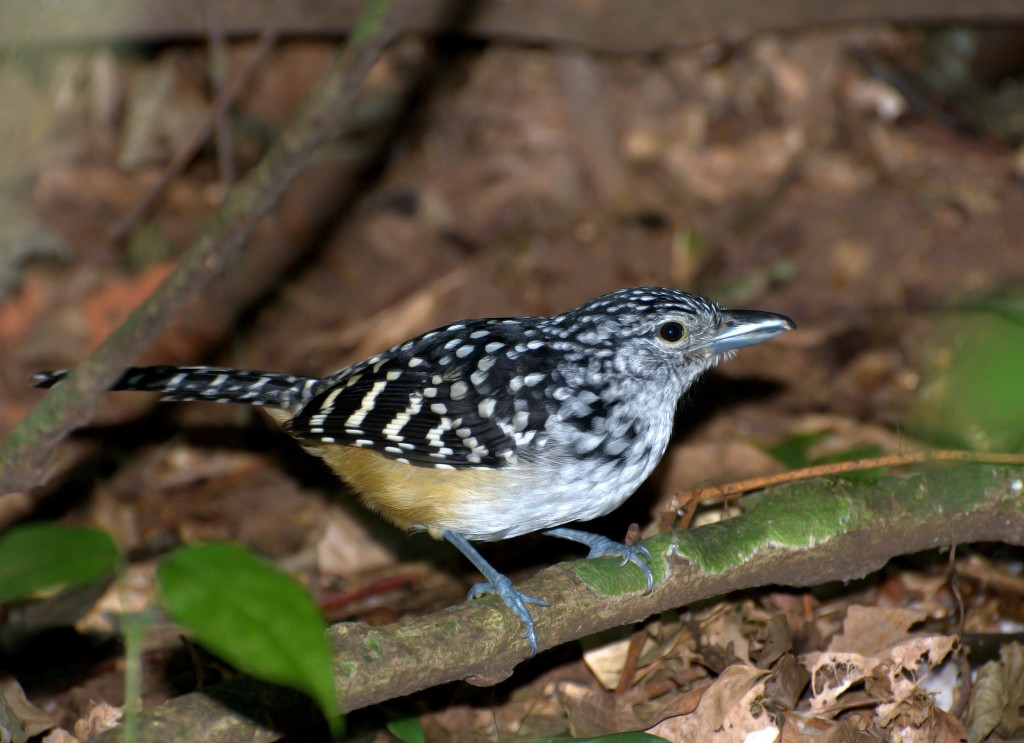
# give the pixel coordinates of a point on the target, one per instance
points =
(185, 154)
(1002, 583)
(636, 644)
(26, 452)
(216, 45)
(736, 489)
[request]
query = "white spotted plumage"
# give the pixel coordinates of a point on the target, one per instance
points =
(549, 419)
(574, 410)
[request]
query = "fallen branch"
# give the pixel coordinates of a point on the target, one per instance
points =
(800, 534)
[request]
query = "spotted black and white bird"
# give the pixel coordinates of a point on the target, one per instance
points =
(492, 428)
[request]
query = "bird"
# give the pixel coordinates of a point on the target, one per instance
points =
(487, 429)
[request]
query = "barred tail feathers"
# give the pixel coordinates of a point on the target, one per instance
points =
(213, 384)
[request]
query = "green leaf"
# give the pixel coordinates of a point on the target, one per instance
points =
(256, 618)
(794, 450)
(975, 394)
(851, 455)
(408, 730)
(43, 557)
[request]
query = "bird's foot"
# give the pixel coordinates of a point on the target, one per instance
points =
(515, 600)
(634, 553)
(601, 546)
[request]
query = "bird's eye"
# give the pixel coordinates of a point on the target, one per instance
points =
(672, 332)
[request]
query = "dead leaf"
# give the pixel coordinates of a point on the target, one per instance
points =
(868, 629)
(989, 698)
(346, 547)
(718, 173)
(19, 311)
(684, 704)
(834, 673)
(772, 640)
(724, 633)
(393, 324)
(714, 461)
(944, 728)
(593, 712)
(729, 710)
(887, 669)
(133, 592)
(905, 660)
(607, 660)
(1012, 657)
(60, 735)
(998, 696)
(19, 718)
(787, 683)
(98, 718)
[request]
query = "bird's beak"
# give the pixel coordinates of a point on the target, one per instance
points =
(741, 328)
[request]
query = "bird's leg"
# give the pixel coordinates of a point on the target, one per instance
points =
(500, 585)
(603, 546)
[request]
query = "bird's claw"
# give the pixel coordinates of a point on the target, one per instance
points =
(601, 546)
(515, 600)
(634, 553)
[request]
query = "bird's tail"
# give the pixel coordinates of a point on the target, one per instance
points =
(206, 383)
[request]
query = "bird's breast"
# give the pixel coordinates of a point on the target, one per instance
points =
(564, 478)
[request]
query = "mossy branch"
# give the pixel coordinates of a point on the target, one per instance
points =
(800, 534)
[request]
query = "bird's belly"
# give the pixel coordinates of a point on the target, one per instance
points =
(414, 497)
(488, 504)
(543, 498)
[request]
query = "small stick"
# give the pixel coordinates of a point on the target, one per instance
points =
(736, 489)
(225, 98)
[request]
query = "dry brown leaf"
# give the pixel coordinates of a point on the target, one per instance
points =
(1012, 658)
(60, 735)
(989, 698)
(13, 506)
(20, 311)
(593, 712)
(942, 727)
(683, 704)
(729, 710)
(834, 673)
(346, 547)
(718, 173)
(396, 322)
(99, 718)
(773, 640)
(848, 730)
(721, 460)
(997, 696)
(868, 635)
(133, 592)
(906, 659)
(607, 660)
(868, 629)
(19, 718)
(787, 683)
(889, 673)
(726, 629)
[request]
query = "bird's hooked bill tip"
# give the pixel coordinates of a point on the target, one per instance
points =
(742, 328)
